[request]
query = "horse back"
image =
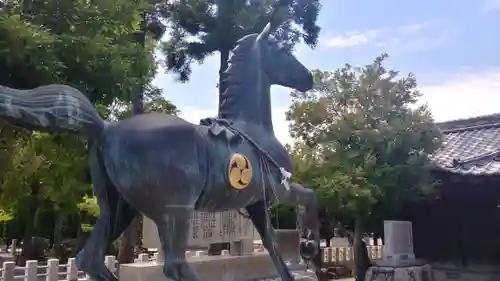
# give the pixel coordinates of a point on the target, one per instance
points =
(156, 161)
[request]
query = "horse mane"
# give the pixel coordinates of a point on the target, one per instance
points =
(236, 100)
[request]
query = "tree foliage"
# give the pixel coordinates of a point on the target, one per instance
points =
(198, 28)
(89, 45)
(153, 102)
(362, 140)
(365, 136)
(92, 46)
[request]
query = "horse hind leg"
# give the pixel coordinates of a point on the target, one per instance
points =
(115, 215)
(91, 258)
(258, 214)
(172, 229)
(122, 214)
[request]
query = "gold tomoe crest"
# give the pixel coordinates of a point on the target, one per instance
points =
(240, 171)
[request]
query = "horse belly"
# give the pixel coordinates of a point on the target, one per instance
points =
(157, 173)
(220, 194)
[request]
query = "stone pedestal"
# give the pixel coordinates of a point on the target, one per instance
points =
(471, 271)
(209, 268)
(399, 263)
(289, 244)
(403, 271)
(297, 276)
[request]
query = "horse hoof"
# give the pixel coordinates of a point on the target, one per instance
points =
(308, 249)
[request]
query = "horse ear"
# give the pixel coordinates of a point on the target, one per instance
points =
(278, 16)
(264, 34)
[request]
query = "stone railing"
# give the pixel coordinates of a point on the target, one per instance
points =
(330, 255)
(346, 254)
(52, 271)
(210, 265)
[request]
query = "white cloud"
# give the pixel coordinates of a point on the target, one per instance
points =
(353, 38)
(490, 5)
(409, 36)
(464, 95)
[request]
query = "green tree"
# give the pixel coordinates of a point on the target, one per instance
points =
(92, 46)
(154, 101)
(367, 142)
(40, 172)
(87, 45)
(199, 28)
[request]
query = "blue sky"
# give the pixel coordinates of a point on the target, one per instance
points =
(451, 46)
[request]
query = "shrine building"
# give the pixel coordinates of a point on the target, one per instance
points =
(459, 226)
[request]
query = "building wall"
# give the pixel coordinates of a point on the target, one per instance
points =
(460, 223)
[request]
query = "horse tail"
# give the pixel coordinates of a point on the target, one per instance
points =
(51, 108)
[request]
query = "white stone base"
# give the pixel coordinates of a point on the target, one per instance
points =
(406, 273)
(209, 268)
(297, 275)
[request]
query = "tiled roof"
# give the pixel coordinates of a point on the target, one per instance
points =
(471, 146)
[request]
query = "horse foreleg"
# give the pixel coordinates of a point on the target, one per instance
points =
(258, 214)
(173, 229)
(306, 197)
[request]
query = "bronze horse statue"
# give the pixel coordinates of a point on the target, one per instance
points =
(166, 168)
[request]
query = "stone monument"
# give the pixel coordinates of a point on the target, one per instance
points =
(399, 235)
(210, 227)
(399, 263)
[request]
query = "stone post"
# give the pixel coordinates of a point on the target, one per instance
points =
(31, 271)
(52, 270)
(242, 247)
(13, 246)
(161, 255)
(289, 244)
(71, 270)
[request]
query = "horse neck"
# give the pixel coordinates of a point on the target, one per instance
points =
(265, 103)
(247, 95)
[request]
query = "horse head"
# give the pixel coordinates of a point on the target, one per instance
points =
(279, 64)
(257, 62)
